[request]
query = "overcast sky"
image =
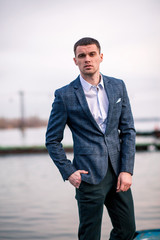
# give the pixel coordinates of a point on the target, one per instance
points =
(36, 49)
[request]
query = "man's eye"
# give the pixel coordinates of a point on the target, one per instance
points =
(92, 54)
(81, 55)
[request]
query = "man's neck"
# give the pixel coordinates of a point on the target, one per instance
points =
(92, 79)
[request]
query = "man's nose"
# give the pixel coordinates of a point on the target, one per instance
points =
(87, 58)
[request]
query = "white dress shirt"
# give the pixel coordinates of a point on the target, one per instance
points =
(97, 101)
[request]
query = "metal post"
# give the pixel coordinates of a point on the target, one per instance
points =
(21, 93)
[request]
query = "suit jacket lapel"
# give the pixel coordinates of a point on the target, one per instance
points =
(110, 95)
(83, 102)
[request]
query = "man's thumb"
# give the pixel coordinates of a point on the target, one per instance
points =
(118, 183)
(83, 171)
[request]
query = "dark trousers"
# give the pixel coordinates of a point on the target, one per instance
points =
(92, 198)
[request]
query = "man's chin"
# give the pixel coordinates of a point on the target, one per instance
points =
(89, 73)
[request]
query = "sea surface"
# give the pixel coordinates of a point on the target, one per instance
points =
(36, 136)
(35, 203)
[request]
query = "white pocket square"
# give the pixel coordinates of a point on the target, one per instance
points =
(119, 99)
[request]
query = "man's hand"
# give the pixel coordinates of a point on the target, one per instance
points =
(75, 178)
(124, 181)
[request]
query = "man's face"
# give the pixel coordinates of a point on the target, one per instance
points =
(88, 59)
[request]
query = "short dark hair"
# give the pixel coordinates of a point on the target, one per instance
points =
(86, 41)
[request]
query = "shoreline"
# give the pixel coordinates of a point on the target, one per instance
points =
(5, 150)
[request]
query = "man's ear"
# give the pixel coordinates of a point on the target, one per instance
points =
(101, 56)
(74, 59)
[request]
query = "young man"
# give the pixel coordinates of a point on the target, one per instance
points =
(97, 110)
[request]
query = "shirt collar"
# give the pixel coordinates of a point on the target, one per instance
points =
(87, 86)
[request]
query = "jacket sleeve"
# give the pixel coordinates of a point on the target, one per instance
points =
(127, 135)
(54, 136)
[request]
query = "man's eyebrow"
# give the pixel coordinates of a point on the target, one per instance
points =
(84, 54)
(92, 52)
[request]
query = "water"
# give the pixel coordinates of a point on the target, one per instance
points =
(35, 203)
(30, 136)
(36, 136)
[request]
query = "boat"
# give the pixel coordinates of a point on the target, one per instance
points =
(149, 234)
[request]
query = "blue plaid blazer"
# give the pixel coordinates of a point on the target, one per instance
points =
(91, 147)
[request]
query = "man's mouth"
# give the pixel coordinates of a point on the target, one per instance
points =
(88, 66)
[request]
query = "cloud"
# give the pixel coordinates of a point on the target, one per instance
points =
(36, 46)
